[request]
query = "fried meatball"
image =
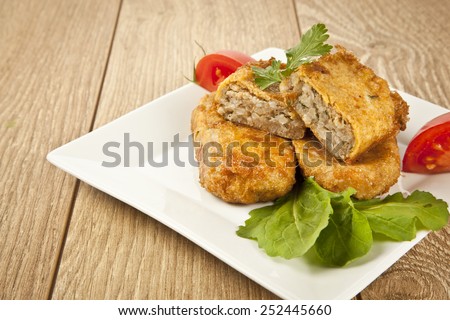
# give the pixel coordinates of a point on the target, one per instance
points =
(371, 175)
(240, 164)
(338, 94)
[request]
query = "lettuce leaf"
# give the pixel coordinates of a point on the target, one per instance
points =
(396, 216)
(338, 226)
(290, 227)
(348, 235)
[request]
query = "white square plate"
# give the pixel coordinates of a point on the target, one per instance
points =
(173, 196)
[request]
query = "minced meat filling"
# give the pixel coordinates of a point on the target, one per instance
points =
(322, 119)
(240, 106)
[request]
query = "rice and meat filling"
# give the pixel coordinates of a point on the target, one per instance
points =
(241, 101)
(321, 118)
(240, 106)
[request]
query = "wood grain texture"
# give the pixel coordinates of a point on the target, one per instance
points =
(406, 43)
(53, 54)
(113, 251)
(53, 57)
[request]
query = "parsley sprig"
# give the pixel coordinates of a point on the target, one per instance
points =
(312, 44)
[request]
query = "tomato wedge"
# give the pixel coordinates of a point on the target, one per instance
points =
(429, 149)
(213, 68)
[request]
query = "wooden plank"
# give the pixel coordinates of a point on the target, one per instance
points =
(404, 42)
(113, 251)
(53, 54)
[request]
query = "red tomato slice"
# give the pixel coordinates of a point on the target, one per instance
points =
(429, 149)
(213, 68)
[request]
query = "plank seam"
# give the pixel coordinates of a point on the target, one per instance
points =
(297, 19)
(106, 67)
(77, 185)
(63, 242)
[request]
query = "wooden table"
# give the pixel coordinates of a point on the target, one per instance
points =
(70, 66)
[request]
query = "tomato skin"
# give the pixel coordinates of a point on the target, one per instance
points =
(213, 68)
(429, 150)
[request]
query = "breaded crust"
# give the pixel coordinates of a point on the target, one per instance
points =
(269, 110)
(401, 110)
(371, 175)
(363, 99)
(247, 170)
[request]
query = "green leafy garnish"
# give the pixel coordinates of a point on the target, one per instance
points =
(338, 226)
(396, 217)
(312, 44)
(348, 235)
(264, 78)
(290, 227)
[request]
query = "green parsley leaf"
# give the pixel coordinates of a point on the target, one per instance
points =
(268, 76)
(312, 44)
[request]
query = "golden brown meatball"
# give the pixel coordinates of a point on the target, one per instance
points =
(371, 175)
(239, 164)
(338, 94)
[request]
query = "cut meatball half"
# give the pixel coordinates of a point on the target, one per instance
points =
(241, 101)
(347, 107)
